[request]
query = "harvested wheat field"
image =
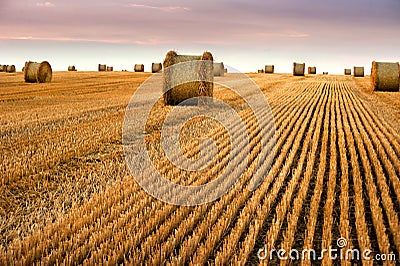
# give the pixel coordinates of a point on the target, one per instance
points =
(67, 195)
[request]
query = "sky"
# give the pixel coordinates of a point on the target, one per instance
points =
(244, 34)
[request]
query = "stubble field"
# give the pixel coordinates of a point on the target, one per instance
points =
(66, 194)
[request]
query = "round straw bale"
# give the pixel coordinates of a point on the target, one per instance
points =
(218, 69)
(269, 69)
(1, 68)
(71, 68)
(225, 70)
(110, 68)
(102, 67)
(358, 71)
(206, 76)
(312, 70)
(38, 72)
(347, 71)
(385, 76)
(139, 68)
(156, 67)
(4, 68)
(298, 69)
(10, 69)
(188, 80)
(260, 71)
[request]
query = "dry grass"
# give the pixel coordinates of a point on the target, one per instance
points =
(386, 105)
(67, 195)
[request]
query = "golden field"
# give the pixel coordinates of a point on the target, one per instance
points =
(67, 196)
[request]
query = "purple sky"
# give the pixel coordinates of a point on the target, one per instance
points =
(330, 34)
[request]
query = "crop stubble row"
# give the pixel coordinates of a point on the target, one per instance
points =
(316, 120)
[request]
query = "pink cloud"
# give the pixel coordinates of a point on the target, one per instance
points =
(161, 8)
(45, 4)
(150, 41)
(280, 34)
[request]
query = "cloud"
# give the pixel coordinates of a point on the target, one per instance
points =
(45, 4)
(294, 34)
(272, 34)
(161, 8)
(150, 41)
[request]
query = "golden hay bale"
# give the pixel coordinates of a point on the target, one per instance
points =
(156, 67)
(110, 68)
(38, 72)
(347, 71)
(102, 67)
(4, 68)
(385, 76)
(325, 73)
(218, 69)
(260, 71)
(225, 70)
(298, 69)
(139, 68)
(71, 68)
(358, 71)
(312, 70)
(1, 68)
(200, 71)
(269, 69)
(10, 69)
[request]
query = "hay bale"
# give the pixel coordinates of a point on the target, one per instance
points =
(347, 71)
(180, 78)
(260, 71)
(102, 67)
(71, 68)
(218, 69)
(269, 69)
(312, 70)
(298, 69)
(156, 67)
(325, 73)
(385, 76)
(1, 68)
(4, 68)
(110, 68)
(37, 72)
(225, 70)
(139, 68)
(358, 71)
(10, 69)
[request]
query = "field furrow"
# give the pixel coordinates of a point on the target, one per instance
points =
(68, 197)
